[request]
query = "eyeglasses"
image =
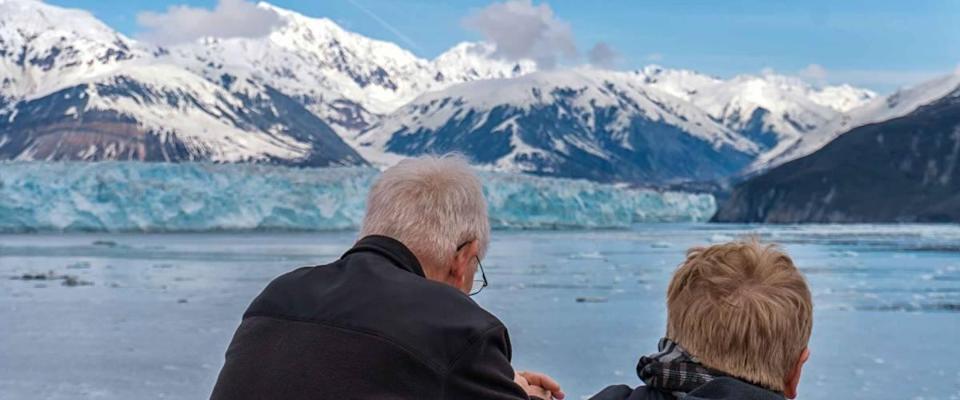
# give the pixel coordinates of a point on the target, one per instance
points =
(483, 276)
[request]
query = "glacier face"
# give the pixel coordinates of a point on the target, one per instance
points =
(161, 197)
(529, 202)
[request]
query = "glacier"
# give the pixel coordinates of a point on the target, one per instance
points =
(194, 197)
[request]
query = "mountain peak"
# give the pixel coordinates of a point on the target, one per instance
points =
(42, 46)
(469, 61)
(302, 32)
(31, 17)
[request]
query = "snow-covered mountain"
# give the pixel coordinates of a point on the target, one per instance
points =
(583, 123)
(751, 114)
(345, 78)
(165, 113)
(898, 104)
(768, 109)
(42, 47)
(896, 170)
(270, 99)
(73, 88)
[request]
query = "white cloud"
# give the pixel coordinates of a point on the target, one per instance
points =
(230, 18)
(521, 29)
(815, 73)
(602, 55)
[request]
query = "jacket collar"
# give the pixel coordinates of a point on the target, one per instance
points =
(390, 248)
(726, 388)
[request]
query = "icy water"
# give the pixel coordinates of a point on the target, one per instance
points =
(149, 316)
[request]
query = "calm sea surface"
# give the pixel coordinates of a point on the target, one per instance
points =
(140, 316)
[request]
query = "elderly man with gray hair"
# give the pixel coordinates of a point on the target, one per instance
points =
(391, 319)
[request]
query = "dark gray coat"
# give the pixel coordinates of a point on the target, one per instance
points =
(369, 326)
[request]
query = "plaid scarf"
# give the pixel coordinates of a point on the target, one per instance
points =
(674, 370)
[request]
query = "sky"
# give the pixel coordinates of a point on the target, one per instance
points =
(879, 44)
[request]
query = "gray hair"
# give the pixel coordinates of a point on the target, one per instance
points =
(431, 205)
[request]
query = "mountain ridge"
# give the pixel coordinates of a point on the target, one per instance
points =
(905, 169)
(579, 122)
(354, 85)
(900, 103)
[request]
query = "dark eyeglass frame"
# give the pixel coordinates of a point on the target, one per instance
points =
(483, 275)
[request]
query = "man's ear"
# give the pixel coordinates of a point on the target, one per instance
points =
(460, 267)
(792, 380)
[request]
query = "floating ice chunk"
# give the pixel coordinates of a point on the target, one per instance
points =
(719, 238)
(591, 255)
(849, 253)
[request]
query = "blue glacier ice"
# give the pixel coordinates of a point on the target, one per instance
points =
(127, 196)
(529, 202)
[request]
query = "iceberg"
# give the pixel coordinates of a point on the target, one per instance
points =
(164, 197)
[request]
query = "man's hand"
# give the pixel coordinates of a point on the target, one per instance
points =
(538, 385)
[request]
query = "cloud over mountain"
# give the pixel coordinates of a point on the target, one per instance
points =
(602, 55)
(523, 30)
(230, 18)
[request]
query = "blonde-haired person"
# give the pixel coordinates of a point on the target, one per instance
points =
(739, 317)
(391, 319)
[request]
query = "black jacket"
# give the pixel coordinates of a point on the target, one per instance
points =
(369, 326)
(717, 389)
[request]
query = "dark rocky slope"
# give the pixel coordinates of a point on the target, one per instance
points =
(902, 170)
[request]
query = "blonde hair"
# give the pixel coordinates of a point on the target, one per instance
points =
(431, 205)
(742, 308)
